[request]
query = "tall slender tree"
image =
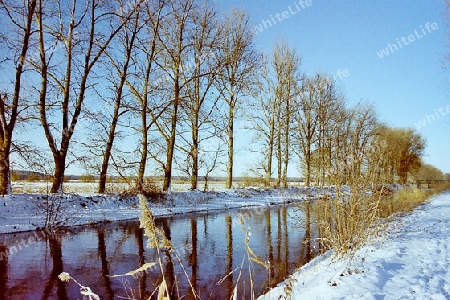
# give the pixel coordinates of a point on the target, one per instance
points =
(240, 62)
(154, 15)
(286, 65)
(199, 77)
(262, 113)
(120, 63)
(307, 120)
(175, 42)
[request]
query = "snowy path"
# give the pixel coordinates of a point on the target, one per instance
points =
(411, 262)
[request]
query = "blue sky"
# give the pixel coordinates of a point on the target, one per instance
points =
(404, 87)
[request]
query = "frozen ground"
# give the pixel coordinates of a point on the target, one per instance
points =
(29, 211)
(411, 262)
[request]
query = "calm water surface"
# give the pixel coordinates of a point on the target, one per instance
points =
(210, 246)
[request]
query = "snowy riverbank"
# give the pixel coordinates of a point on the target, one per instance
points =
(412, 261)
(22, 212)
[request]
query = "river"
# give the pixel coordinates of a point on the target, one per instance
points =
(210, 251)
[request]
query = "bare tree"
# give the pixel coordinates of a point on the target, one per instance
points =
(286, 64)
(20, 19)
(331, 112)
(174, 41)
(262, 115)
(71, 41)
(428, 172)
(307, 121)
(209, 160)
(147, 57)
(237, 79)
(404, 149)
(121, 65)
(353, 145)
(199, 77)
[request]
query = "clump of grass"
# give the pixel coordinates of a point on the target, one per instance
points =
(347, 219)
(440, 187)
(158, 240)
(408, 199)
(344, 222)
(148, 189)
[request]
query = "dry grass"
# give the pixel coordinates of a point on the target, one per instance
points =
(157, 239)
(440, 187)
(408, 199)
(344, 222)
(150, 189)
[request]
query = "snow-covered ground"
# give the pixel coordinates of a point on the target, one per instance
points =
(28, 211)
(411, 261)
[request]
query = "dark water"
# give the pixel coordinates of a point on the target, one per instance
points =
(210, 246)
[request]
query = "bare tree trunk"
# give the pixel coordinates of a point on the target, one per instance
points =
(109, 144)
(270, 151)
(58, 175)
(144, 145)
(5, 179)
(286, 141)
(308, 166)
(279, 153)
(194, 152)
(172, 139)
(230, 133)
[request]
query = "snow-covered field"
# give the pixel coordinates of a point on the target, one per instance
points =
(412, 261)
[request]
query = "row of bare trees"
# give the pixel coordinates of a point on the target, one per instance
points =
(119, 86)
(296, 116)
(169, 74)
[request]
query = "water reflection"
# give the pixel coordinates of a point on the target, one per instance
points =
(3, 271)
(54, 243)
(104, 264)
(228, 283)
(210, 247)
(306, 249)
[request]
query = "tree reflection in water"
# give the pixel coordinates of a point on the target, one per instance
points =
(3, 271)
(210, 246)
(54, 243)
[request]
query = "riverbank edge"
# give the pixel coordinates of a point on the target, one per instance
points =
(29, 212)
